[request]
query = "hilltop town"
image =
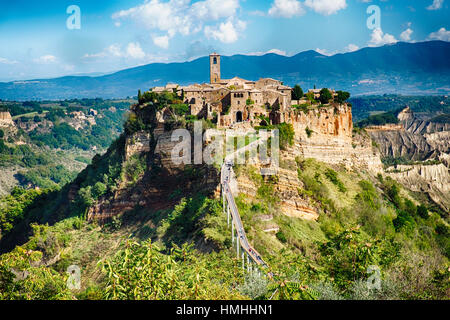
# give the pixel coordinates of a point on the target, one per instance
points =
(234, 101)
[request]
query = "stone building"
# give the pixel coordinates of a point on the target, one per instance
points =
(233, 100)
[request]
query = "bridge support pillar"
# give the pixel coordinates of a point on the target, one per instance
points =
(237, 244)
(232, 233)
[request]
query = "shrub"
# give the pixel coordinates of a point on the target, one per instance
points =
(280, 236)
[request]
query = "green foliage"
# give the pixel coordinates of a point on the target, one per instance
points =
(46, 176)
(135, 168)
(280, 236)
(380, 119)
(21, 279)
(422, 211)
(287, 134)
(348, 255)
(325, 96)
(363, 106)
(332, 176)
(180, 109)
(309, 132)
(144, 272)
(14, 207)
(297, 93)
(249, 102)
(342, 96)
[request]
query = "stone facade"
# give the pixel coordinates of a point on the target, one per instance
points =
(233, 100)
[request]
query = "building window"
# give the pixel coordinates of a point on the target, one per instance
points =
(215, 60)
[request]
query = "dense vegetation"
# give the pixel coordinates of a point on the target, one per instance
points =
(389, 117)
(367, 226)
(33, 149)
(364, 106)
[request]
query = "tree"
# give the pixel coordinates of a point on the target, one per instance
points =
(342, 96)
(2, 134)
(325, 96)
(297, 92)
(422, 211)
(139, 96)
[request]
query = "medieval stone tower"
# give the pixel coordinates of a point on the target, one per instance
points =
(214, 67)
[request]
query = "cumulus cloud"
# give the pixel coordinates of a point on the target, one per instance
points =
(286, 8)
(436, 5)
(162, 41)
(133, 51)
(406, 35)
(226, 32)
(45, 59)
(378, 38)
(326, 7)
(442, 34)
(182, 17)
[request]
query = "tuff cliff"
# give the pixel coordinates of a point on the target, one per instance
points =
(6, 119)
(326, 133)
(415, 139)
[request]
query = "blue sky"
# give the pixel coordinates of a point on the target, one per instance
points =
(35, 41)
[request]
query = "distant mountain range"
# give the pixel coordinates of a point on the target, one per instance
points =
(402, 68)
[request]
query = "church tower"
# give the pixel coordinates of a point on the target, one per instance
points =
(214, 67)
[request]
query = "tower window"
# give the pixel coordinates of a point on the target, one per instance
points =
(215, 60)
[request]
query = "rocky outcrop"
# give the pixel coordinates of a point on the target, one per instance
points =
(431, 179)
(6, 119)
(419, 140)
(402, 143)
(137, 143)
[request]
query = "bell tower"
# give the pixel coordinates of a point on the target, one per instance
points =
(214, 67)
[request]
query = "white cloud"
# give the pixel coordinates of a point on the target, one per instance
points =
(277, 51)
(442, 34)
(261, 53)
(132, 51)
(135, 51)
(226, 32)
(406, 35)
(436, 5)
(378, 38)
(351, 47)
(45, 59)
(286, 8)
(7, 61)
(325, 52)
(326, 7)
(180, 17)
(162, 42)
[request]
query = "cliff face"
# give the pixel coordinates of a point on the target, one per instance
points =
(323, 133)
(6, 119)
(419, 140)
(431, 179)
(326, 134)
(413, 138)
